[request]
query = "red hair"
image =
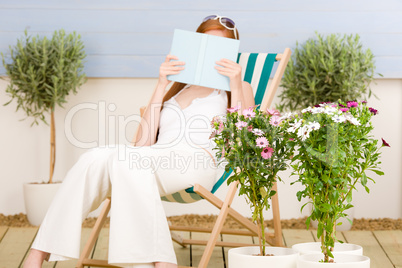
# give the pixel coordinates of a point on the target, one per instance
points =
(204, 27)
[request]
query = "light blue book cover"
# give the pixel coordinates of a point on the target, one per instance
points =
(200, 52)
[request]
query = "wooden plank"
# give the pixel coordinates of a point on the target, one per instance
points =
(3, 230)
(293, 236)
(218, 6)
(71, 263)
(371, 248)
(391, 242)
(114, 66)
(15, 245)
(101, 250)
(216, 260)
(45, 263)
(132, 21)
(117, 43)
(182, 254)
(236, 239)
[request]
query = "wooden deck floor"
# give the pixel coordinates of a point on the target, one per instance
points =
(383, 247)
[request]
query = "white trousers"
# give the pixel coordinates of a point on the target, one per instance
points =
(135, 177)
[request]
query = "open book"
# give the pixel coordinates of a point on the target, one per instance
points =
(200, 52)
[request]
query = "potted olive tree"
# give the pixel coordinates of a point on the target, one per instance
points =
(334, 152)
(326, 69)
(251, 143)
(42, 72)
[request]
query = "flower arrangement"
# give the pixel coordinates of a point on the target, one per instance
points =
(333, 149)
(253, 145)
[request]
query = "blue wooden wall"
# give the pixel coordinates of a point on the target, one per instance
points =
(129, 38)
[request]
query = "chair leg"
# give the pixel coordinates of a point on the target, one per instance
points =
(95, 233)
(218, 226)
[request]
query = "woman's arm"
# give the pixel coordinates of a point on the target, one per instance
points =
(242, 93)
(148, 128)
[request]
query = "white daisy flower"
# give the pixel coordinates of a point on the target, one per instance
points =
(330, 110)
(303, 133)
(327, 104)
(339, 118)
(294, 126)
(354, 121)
(314, 125)
(308, 109)
(317, 110)
(286, 116)
(258, 132)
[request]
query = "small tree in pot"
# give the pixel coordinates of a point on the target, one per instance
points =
(42, 73)
(251, 143)
(326, 70)
(335, 152)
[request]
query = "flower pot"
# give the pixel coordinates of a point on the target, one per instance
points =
(243, 257)
(341, 261)
(37, 199)
(315, 247)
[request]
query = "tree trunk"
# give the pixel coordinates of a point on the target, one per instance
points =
(52, 146)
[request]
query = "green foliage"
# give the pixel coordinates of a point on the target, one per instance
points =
(326, 70)
(255, 161)
(43, 72)
(334, 149)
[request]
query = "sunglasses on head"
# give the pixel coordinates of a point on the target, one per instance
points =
(226, 22)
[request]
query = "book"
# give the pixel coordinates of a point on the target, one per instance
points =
(200, 53)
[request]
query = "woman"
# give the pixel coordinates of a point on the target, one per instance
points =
(140, 174)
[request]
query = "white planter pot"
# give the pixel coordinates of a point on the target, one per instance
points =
(315, 247)
(341, 261)
(243, 257)
(37, 199)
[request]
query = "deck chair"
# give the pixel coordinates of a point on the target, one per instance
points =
(257, 68)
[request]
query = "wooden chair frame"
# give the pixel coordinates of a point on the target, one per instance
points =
(224, 206)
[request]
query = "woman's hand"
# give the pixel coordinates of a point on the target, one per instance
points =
(241, 92)
(232, 70)
(169, 67)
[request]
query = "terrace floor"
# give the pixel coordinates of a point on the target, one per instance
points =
(383, 247)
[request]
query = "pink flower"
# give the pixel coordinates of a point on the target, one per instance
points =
(248, 113)
(275, 120)
(233, 109)
(384, 143)
(216, 120)
(241, 124)
(352, 104)
(267, 152)
(213, 134)
(261, 142)
(373, 111)
(220, 128)
(250, 128)
(344, 109)
(273, 112)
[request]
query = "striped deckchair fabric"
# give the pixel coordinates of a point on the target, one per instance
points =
(256, 70)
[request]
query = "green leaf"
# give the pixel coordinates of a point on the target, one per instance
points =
(378, 172)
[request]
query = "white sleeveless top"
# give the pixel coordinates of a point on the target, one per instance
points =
(192, 124)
